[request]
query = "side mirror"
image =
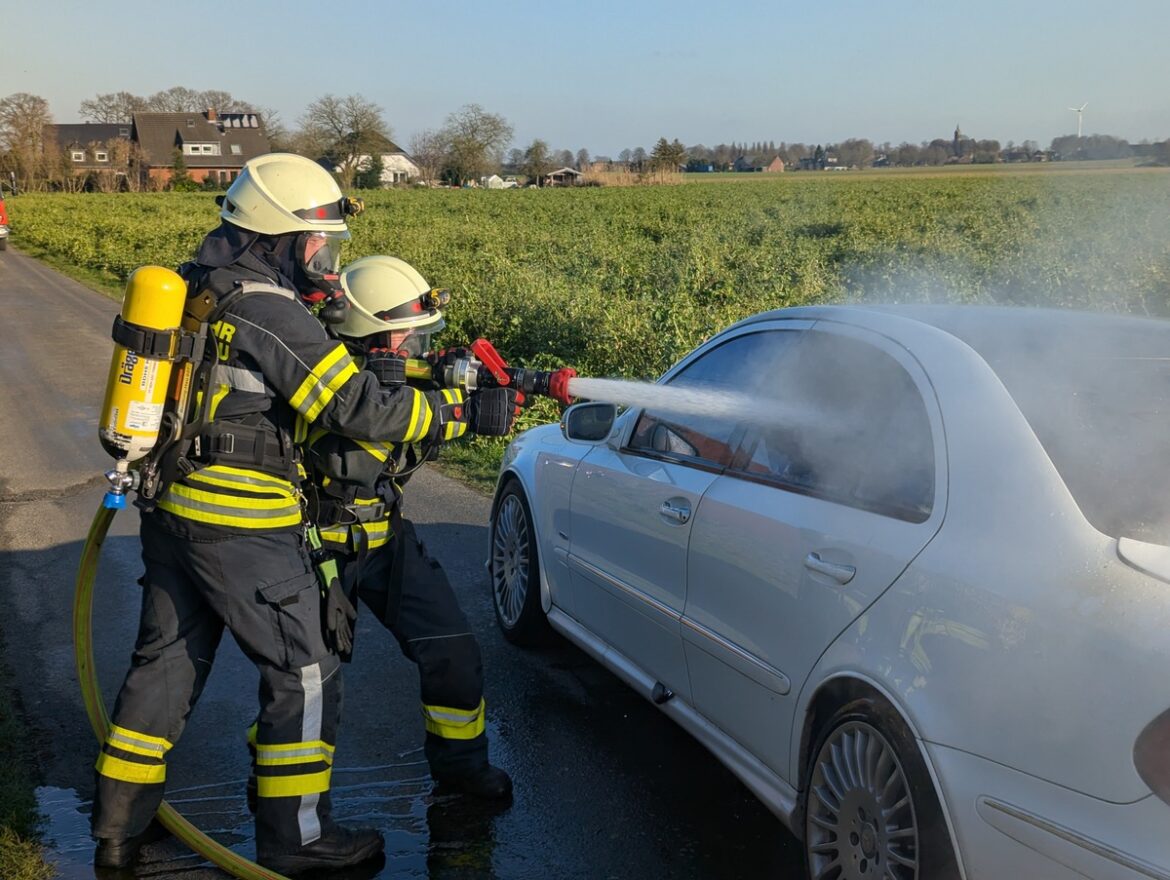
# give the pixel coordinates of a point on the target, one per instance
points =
(588, 422)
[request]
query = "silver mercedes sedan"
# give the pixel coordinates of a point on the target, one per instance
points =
(904, 570)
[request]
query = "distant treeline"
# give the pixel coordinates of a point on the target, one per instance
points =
(863, 153)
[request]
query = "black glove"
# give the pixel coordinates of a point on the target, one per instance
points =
(388, 366)
(340, 617)
(491, 411)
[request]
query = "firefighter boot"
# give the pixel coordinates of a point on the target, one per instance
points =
(120, 853)
(487, 782)
(339, 847)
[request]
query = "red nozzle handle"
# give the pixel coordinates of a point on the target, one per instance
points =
(490, 358)
(558, 385)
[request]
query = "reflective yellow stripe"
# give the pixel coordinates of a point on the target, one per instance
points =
(292, 786)
(300, 430)
(230, 510)
(454, 723)
(240, 478)
(294, 753)
(253, 732)
(127, 740)
(380, 451)
(130, 771)
(420, 418)
(453, 429)
(313, 394)
(217, 398)
(378, 533)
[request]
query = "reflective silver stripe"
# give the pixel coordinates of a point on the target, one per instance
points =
(115, 738)
(261, 287)
(454, 716)
(307, 819)
(315, 753)
(239, 379)
(246, 510)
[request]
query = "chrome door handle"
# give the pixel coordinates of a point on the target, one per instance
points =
(842, 574)
(679, 512)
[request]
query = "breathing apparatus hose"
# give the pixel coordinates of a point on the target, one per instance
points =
(172, 820)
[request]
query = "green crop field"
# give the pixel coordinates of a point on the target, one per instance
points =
(621, 282)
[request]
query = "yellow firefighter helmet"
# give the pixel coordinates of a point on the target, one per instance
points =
(391, 305)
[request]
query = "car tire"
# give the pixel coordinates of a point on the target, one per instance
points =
(870, 808)
(514, 570)
(4, 244)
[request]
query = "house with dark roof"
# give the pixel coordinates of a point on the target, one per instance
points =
(89, 146)
(213, 145)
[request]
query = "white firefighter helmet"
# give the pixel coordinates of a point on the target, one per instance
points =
(282, 192)
(391, 305)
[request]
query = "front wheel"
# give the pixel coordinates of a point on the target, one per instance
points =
(4, 243)
(515, 572)
(871, 812)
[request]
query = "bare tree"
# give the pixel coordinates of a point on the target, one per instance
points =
(23, 118)
(177, 99)
(476, 141)
(279, 138)
(537, 162)
(113, 107)
(428, 149)
(582, 159)
(349, 130)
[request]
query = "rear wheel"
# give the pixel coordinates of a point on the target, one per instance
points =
(870, 810)
(4, 243)
(515, 572)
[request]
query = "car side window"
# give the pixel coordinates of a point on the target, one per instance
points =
(850, 427)
(739, 369)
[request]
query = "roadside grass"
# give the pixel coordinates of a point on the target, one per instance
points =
(21, 855)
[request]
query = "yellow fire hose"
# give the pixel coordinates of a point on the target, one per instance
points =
(172, 820)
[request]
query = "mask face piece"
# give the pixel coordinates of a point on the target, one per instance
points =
(410, 342)
(319, 260)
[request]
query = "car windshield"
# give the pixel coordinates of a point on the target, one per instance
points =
(1096, 391)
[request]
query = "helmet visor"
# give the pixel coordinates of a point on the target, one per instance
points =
(319, 253)
(413, 342)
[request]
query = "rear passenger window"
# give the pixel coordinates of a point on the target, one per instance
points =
(741, 366)
(849, 426)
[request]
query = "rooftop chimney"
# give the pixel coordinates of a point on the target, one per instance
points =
(211, 114)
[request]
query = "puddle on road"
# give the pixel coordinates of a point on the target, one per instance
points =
(66, 831)
(426, 835)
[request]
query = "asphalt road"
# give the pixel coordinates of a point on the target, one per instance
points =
(606, 787)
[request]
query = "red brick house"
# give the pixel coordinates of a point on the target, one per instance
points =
(777, 164)
(212, 144)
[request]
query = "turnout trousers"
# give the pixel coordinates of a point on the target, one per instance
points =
(263, 589)
(410, 594)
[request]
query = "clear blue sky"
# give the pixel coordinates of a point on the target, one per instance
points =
(606, 75)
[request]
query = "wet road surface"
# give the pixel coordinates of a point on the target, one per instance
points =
(606, 787)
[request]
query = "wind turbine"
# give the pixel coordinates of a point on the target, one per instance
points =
(1080, 111)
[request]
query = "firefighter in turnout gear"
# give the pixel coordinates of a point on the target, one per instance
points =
(357, 502)
(227, 542)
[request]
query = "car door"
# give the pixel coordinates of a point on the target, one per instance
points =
(633, 503)
(818, 514)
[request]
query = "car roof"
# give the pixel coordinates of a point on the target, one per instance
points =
(994, 331)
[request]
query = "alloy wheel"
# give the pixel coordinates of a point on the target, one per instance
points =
(861, 822)
(510, 555)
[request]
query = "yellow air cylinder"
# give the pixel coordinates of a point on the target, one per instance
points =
(136, 389)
